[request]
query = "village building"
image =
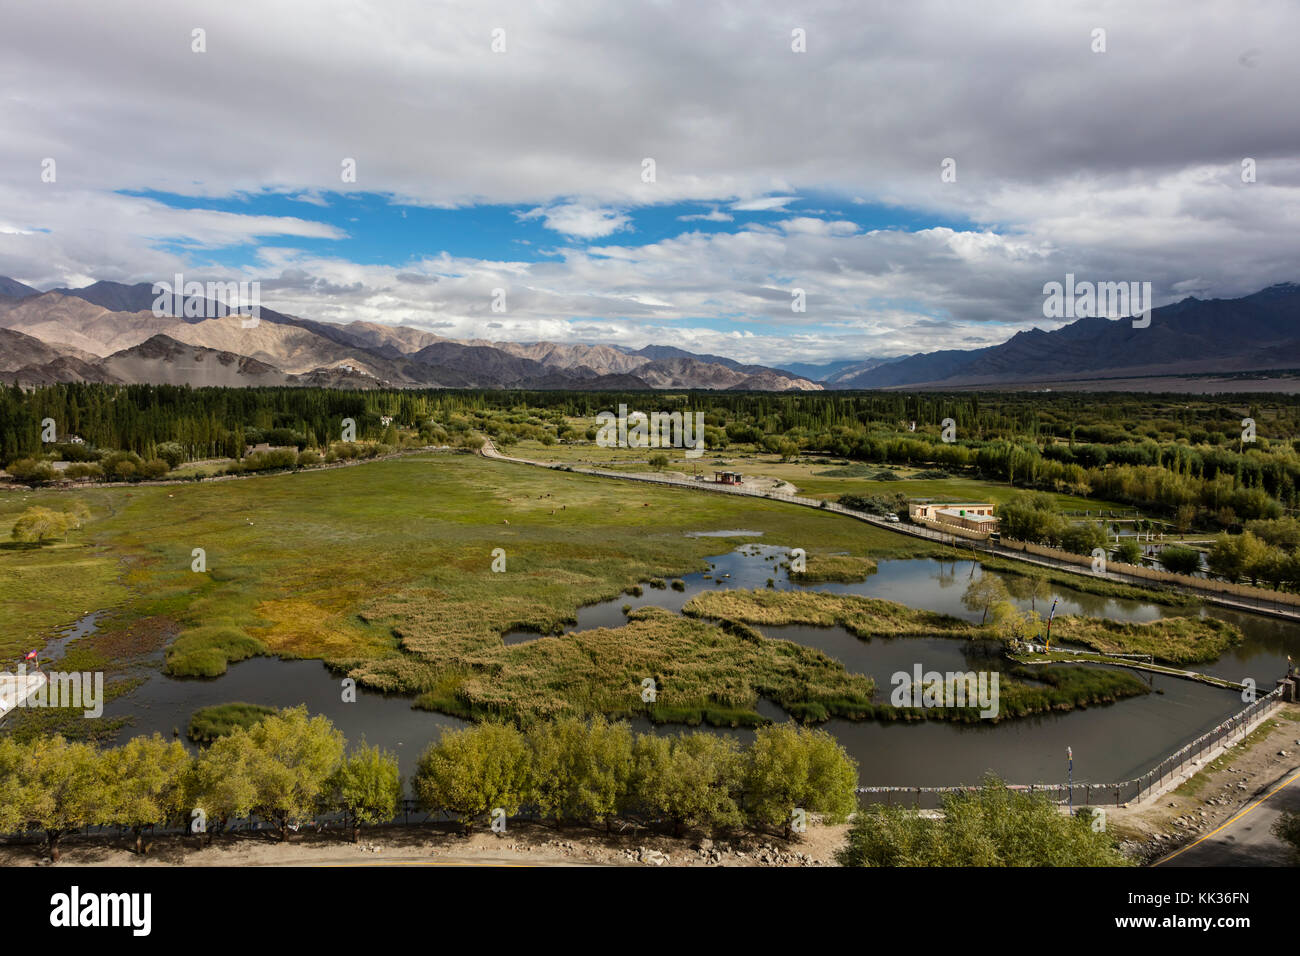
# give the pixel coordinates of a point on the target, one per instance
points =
(972, 516)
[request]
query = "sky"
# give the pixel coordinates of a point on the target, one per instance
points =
(920, 171)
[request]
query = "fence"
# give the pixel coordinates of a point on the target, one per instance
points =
(1098, 794)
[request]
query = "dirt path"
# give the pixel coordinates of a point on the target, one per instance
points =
(522, 845)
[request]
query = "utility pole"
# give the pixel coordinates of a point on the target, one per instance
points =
(1069, 756)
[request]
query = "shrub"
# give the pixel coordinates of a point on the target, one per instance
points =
(206, 651)
(1180, 560)
(209, 723)
(791, 768)
(472, 772)
(991, 826)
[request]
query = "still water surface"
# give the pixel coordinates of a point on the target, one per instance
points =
(1111, 743)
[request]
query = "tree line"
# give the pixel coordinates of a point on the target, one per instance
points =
(290, 767)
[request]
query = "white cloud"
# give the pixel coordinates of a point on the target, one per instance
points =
(576, 219)
(713, 215)
(1124, 164)
(765, 204)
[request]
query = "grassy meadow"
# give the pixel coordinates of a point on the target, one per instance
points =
(384, 570)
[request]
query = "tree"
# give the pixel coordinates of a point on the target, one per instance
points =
(145, 779)
(173, 453)
(791, 768)
(581, 771)
(990, 826)
(38, 525)
(1180, 560)
(1233, 555)
(982, 593)
(12, 755)
(1129, 551)
(291, 757)
(367, 787)
(474, 771)
(690, 780)
(1011, 625)
(219, 786)
(1082, 538)
(658, 461)
(60, 787)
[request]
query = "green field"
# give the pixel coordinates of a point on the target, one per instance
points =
(385, 570)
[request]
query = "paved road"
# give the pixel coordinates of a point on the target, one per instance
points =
(1247, 838)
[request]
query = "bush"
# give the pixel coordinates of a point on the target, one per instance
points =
(472, 772)
(366, 786)
(173, 453)
(791, 768)
(1128, 551)
(206, 651)
(32, 471)
(209, 723)
(1180, 560)
(689, 780)
(992, 826)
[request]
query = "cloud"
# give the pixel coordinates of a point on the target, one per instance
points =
(576, 219)
(713, 215)
(765, 204)
(1123, 165)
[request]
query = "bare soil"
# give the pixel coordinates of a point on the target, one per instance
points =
(522, 845)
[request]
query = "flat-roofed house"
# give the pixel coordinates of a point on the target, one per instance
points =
(973, 516)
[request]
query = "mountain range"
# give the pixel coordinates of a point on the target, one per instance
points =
(1193, 337)
(107, 332)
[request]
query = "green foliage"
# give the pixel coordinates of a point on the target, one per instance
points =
(1180, 560)
(1232, 556)
(59, 786)
(983, 593)
(580, 771)
(791, 768)
(291, 757)
(990, 826)
(1082, 538)
(1128, 551)
(37, 525)
(209, 723)
(689, 780)
(473, 771)
(145, 782)
(367, 787)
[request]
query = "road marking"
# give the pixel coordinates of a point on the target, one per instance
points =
(1227, 823)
